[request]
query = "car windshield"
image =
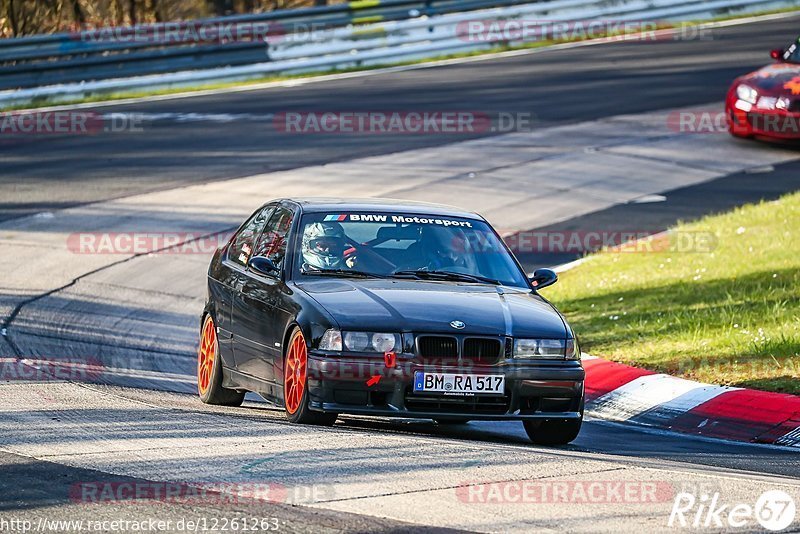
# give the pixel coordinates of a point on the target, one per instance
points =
(399, 245)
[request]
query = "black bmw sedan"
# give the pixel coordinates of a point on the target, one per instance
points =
(387, 308)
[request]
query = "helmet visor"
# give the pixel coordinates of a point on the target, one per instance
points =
(326, 245)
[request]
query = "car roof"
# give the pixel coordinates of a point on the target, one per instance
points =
(388, 205)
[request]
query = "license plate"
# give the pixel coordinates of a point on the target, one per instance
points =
(460, 384)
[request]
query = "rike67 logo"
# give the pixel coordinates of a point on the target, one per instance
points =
(774, 511)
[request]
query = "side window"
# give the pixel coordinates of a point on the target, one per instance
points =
(241, 248)
(272, 242)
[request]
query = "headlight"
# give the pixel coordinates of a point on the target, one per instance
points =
(542, 349)
(360, 341)
(573, 350)
(385, 342)
(747, 93)
(357, 341)
(331, 340)
(767, 102)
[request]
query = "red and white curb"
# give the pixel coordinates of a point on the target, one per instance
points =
(622, 393)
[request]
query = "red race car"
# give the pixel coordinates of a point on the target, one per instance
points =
(766, 103)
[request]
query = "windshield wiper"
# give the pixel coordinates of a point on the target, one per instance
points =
(446, 275)
(340, 272)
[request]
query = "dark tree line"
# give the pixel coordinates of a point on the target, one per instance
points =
(27, 17)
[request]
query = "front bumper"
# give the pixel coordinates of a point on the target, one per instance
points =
(533, 390)
(773, 124)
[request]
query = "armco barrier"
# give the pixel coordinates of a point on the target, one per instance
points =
(125, 52)
(363, 33)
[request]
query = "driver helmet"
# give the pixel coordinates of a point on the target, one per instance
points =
(323, 245)
(446, 246)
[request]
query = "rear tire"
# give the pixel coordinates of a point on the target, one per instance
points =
(209, 370)
(295, 385)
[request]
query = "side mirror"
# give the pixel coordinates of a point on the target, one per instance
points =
(263, 266)
(776, 54)
(543, 278)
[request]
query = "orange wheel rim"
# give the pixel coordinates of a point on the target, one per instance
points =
(206, 355)
(295, 373)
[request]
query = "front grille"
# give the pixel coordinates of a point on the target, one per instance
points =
(455, 404)
(481, 350)
(450, 350)
(438, 347)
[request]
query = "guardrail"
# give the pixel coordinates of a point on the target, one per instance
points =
(152, 49)
(356, 34)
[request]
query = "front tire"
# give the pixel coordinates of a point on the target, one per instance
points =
(209, 370)
(295, 385)
(737, 135)
(553, 432)
(452, 420)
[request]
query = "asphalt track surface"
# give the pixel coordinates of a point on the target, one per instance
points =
(558, 86)
(34, 489)
(563, 86)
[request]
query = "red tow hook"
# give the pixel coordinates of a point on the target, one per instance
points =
(390, 359)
